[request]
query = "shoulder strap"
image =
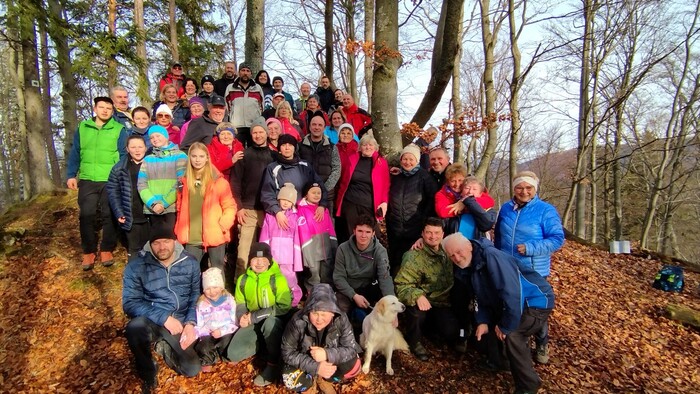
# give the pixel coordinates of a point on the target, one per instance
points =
(273, 285)
(241, 284)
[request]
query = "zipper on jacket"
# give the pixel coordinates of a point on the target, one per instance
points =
(167, 277)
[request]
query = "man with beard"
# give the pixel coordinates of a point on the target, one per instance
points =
(159, 295)
(305, 90)
(325, 94)
(229, 76)
(245, 99)
(203, 129)
(122, 112)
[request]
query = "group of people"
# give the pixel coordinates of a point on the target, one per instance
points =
(298, 187)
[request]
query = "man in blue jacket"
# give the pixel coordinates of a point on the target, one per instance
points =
(160, 294)
(511, 298)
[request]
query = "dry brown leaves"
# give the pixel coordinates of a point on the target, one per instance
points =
(61, 331)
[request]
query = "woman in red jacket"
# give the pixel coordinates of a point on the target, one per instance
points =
(363, 188)
(206, 209)
(225, 149)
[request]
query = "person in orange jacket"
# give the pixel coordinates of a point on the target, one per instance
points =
(206, 209)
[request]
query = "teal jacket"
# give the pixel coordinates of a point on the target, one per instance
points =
(159, 177)
(96, 150)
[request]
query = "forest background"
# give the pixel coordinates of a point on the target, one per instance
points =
(599, 97)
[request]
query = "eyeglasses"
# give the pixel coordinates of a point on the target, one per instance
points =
(177, 67)
(162, 116)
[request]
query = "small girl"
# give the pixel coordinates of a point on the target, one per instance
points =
(285, 244)
(318, 240)
(216, 319)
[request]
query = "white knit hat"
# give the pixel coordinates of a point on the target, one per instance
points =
(164, 109)
(412, 149)
(212, 278)
(288, 192)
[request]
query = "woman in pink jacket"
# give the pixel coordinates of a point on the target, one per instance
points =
(363, 188)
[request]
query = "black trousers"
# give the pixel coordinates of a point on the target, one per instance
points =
(136, 238)
(94, 203)
(518, 349)
(397, 247)
(345, 223)
(440, 321)
(209, 348)
(243, 135)
(141, 332)
(371, 292)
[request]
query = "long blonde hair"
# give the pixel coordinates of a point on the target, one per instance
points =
(207, 172)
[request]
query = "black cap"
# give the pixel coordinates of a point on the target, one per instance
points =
(176, 64)
(215, 99)
(287, 139)
(308, 187)
(103, 99)
(260, 249)
(278, 78)
(162, 232)
(207, 78)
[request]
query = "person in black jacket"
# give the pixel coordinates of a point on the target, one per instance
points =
(318, 345)
(323, 156)
(246, 181)
(203, 129)
(226, 79)
(124, 198)
(411, 201)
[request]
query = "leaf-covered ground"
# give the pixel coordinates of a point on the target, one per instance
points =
(61, 330)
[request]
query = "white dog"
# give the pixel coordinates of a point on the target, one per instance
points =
(379, 334)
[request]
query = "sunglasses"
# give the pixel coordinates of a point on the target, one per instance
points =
(162, 116)
(177, 67)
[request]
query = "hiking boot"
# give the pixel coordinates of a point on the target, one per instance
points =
(325, 386)
(268, 376)
(106, 258)
(149, 386)
(542, 354)
(461, 345)
(419, 351)
(88, 261)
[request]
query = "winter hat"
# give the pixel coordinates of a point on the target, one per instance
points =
(528, 177)
(259, 121)
(274, 120)
(158, 129)
(288, 192)
(260, 249)
(212, 278)
(244, 65)
(197, 100)
(278, 78)
(164, 109)
(161, 232)
(287, 139)
(346, 126)
(207, 78)
(226, 126)
(412, 149)
(308, 187)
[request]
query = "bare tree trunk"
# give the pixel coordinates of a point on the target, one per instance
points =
(328, 35)
(369, 36)
(111, 55)
(255, 33)
(46, 101)
(594, 191)
(387, 61)
(174, 44)
(143, 86)
(457, 108)
(349, 7)
(515, 84)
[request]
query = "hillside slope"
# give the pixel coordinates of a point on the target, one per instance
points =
(61, 330)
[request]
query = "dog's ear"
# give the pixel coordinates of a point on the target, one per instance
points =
(381, 306)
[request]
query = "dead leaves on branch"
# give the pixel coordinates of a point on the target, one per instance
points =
(61, 331)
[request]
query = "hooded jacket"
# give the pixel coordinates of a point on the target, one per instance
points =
(296, 172)
(284, 244)
(355, 269)
(318, 240)
(263, 295)
(247, 176)
(159, 177)
(156, 292)
(244, 104)
(537, 226)
(120, 192)
(337, 338)
(360, 119)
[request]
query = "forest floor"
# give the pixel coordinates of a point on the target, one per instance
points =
(62, 329)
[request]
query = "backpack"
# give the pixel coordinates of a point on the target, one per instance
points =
(669, 278)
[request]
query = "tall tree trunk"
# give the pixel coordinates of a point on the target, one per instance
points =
(46, 101)
(369, 36)
(112, 52)
(143, 86)
(349, 6)
(255, 33)
(488, 39)
(174, 44)
(457, 106)
(387, 61)
(57, 32)
(515, 84)
(446, 45)
(328, 39)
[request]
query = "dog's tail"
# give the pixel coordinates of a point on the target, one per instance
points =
(399, 342)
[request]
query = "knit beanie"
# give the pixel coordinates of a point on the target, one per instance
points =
(260, 122)
(158, 129)
(309, 186)
(164, 109)
(212, 278)
(346, 126)
(260, 249)
(197, 100)
(275, 121)
(161, 232)
(287, 139)
(288, 192)
(528, 177)
(412, 149)
(207, 78)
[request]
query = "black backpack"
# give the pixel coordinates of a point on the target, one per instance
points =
(669, 278)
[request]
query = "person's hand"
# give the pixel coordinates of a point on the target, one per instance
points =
(499, 334)
(188, 336)
(72, 184)
(240, 216)
(318, 214)
(216, 334)
(382, 207)
(326, 369)
(418, 244)
(456, 208)
(521, 249)
(158, 208)
(394, 171)
(237, 156)
(282, 220)
(423, 303)
(318, 354)
(294, 122)
(173, 325)
(122, 220)
(245, 320)
(481, 329)
(360, 301)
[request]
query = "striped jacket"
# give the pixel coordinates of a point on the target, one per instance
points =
(161, 173)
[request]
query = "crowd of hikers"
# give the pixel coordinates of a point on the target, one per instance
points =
(250, 221)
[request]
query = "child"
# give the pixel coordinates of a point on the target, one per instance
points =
(318, 345)
(263, 301)
(159, 177)
(216, 319)
(317, 239)
(124, 198)
(285, 244)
